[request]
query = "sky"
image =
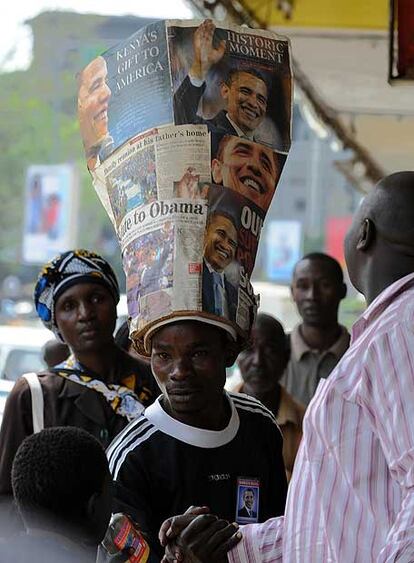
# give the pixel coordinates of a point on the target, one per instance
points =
(15, 37)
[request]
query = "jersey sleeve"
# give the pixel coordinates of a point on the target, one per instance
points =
(132, 495)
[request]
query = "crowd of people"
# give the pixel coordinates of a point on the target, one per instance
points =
(202, 472)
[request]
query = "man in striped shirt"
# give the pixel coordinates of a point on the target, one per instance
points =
(351, 497)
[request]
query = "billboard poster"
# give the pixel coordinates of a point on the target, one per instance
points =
(284, 249)
(50, 212)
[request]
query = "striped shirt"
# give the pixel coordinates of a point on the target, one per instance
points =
(351, 497)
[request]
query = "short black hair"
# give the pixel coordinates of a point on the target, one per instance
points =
(233, 72)
(271, 325)
(57, 471)
(333, 264)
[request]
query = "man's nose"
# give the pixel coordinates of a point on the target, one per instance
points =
(181, 369)
(313, 291)
(256, 357)
(254, 166)
(105, 92)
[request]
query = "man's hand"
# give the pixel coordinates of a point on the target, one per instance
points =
(205, 53)
(197, 537)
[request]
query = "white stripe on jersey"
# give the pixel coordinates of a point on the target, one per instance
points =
(118, 464)
(122, 445)
(248, 403)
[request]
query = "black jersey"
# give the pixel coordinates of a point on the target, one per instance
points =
(161, 467)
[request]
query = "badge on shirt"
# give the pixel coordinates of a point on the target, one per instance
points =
(247, 506)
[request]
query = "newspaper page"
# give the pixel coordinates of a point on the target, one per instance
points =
(161, 163)
(123, 92)
(162, 259)
(236, 80)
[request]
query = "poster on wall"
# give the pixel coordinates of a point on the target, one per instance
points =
(50, 220)
(283, 249)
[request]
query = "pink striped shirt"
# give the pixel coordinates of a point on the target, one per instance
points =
(351, 497)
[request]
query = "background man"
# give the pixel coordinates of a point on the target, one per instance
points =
(93, 103)
(220, 296)
(319, 341)
(191, 447)
(261, 367)
(249, 168)
(353, 483)
(244, 92)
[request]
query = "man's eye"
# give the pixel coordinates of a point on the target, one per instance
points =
(68, 305)
(200, 354)
(162, 356)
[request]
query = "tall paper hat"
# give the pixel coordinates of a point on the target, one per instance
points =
(186, 156)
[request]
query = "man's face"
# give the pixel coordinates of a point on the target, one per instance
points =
(220, 242)
(263, 363)
(93, 98)
(248, 168)
(188, 360)
(246, 98)
(248, 499)
(316, 292)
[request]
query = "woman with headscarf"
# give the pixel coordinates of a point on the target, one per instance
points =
(100, 387)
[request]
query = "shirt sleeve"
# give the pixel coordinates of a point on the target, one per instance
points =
(17, 424)
(388, 397)
(261, 543)
(132, 496)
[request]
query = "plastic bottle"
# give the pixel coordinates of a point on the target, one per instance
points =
(122, 535)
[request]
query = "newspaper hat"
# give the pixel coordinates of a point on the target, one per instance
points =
(185, 157)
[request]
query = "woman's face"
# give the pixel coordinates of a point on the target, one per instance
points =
(86, 315)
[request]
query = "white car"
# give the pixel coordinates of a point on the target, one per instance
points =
(21, 350)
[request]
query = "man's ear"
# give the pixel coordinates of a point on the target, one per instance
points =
(216, 171)
(231, 353)
(343, 291)
(366, 235)
(224, 90)
(92, 507)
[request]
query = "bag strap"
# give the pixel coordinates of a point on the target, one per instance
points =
(37, 401)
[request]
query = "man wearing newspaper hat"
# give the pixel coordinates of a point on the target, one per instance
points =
(190, 447)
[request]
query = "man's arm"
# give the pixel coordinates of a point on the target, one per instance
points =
(203, 539)
(132, 496)
(260, 543)
(205, 55)
(387, 392)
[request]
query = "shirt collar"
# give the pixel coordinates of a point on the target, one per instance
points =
(239, 132)
(300, 347)
(380, 303)
(212, 270)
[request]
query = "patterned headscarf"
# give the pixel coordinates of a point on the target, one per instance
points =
(64, 271)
